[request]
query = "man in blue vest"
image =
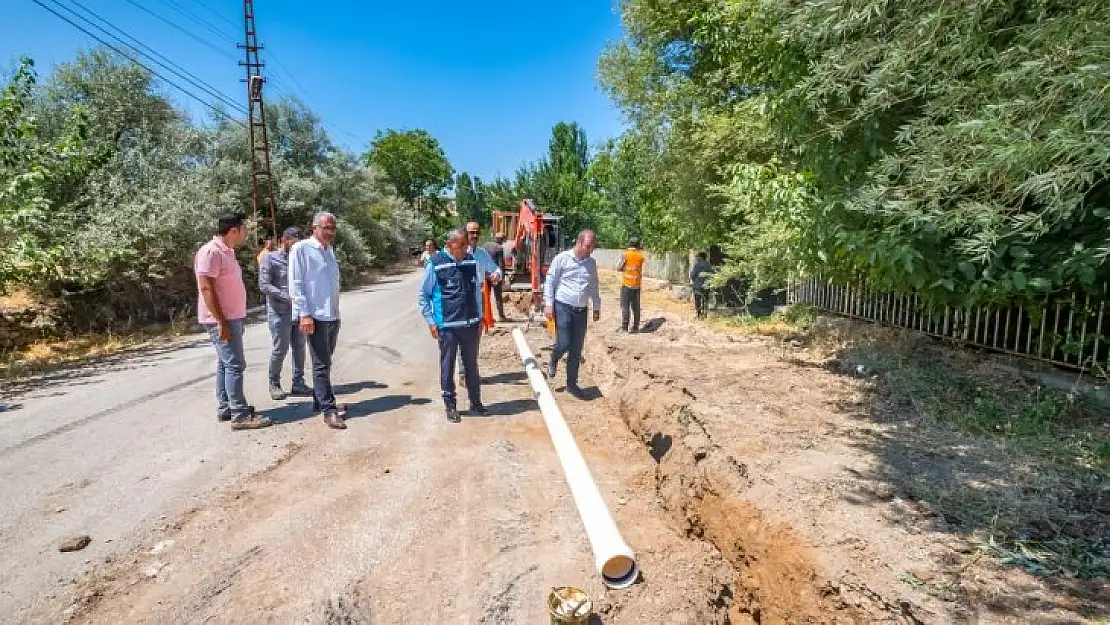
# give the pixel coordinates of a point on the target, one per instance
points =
(450, 298)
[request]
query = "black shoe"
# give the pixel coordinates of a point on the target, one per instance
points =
(575, 391)
(549, 370)
(634, 331)
(276, 393)
(453, 416)
(301, 390)
(478, 410)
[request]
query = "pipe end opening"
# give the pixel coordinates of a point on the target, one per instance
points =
(620, 572)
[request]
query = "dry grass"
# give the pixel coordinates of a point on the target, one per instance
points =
(46, 355)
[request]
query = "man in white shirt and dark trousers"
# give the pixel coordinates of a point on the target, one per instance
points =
(571, 282)
(314, 289)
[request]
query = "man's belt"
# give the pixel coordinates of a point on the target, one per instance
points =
(577, 309)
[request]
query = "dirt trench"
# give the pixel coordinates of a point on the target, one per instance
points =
(699, 484)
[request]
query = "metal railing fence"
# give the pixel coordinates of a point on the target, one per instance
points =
(1069, 330)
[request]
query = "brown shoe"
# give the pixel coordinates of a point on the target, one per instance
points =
(333, 421)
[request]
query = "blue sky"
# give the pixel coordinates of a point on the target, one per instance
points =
(488, 79)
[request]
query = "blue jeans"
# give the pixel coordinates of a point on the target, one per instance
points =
(284, 332)
(454, 342)
(570, 337)
(230, 365)
(321, 344)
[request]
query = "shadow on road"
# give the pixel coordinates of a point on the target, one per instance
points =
(509, 408)
(590, 393)
(290, 413)
(511, 377)
(386, 403)
(350, 388)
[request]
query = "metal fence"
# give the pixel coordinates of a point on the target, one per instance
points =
(1069, 330)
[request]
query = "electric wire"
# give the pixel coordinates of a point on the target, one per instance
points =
(215, 109)
(218, 14)
(198, 20)
(188, 33)
(150, 53)
(282, 78)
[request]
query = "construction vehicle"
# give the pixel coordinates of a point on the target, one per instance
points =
(533, 241)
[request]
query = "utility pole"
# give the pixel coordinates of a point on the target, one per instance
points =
(262, 178)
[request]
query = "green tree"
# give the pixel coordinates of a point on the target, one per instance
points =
(952, 150)
(416, 166)
(500, 195)
(468, 199)
(622, 192)
(32, 171)
(107, 189)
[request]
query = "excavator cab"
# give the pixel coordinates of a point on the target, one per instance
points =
(553, 240)
(534, 240)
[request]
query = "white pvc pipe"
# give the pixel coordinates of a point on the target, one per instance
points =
(614, 559)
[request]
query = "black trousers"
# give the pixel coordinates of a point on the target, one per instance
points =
(630, 302)
(321, 344)
(701, 302)
(464, 342)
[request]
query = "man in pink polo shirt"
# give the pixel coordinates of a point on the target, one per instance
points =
(221, 309)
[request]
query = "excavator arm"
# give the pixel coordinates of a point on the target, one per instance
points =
(534, 240)
(528, 242)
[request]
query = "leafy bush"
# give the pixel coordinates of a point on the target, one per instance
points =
(107, 190)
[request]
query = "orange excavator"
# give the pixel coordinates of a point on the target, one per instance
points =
(534, 240)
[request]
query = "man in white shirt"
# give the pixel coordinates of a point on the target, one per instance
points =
(314, 290)
(572, 282)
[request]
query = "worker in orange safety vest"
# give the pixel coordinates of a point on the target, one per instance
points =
(632, 273)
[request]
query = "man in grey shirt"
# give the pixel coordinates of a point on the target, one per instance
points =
(572, 282)
(273, 281)
(314, 289)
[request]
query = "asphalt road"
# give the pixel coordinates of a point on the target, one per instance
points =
(193, 522)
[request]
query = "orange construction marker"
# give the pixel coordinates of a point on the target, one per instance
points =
(487, 308)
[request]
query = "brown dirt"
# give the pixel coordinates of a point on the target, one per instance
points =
(754, 486)
(803, 478)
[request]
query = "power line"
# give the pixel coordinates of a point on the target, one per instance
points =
(151, 53)
(218, 14)
(303, 91)
(136, 62)
(198, 20)
(179, 28)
